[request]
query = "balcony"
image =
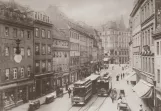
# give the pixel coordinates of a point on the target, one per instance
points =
(147, 51)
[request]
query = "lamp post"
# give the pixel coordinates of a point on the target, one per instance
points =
(18, 56)
(154, 82)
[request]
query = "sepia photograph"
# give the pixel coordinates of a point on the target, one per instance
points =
(80, 55)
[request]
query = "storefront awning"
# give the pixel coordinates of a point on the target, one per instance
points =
(143, 89)
(105, 59)
(131, 76)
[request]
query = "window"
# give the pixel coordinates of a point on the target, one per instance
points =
(43, 33)
(37, 66)
(152, 65)
(49, 34)
(22, 33)
(7, 72)
(152, 37)
(49, 49)
(43, 49)
(37, 48)
(6, 31)
(22, 72)
(36, 32)
(6, 51)
(28, 34)
(14, 73)
(22, 51)
(157, 48)
(43, 66)
(49, 65)
(29, 71)
(28, 52)
(14, 32)
(158, 73)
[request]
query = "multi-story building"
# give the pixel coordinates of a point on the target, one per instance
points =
(60, 50)
(16, 79)
(157, 45)
(115, 40)
(136, 37)
(42, 54)
(146, 10)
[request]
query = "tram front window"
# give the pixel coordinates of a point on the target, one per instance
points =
(103, 85)
(79, 92)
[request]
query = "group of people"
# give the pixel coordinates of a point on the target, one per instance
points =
(122, 75)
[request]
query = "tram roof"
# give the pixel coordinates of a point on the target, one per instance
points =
(82, 81)
(93, 77)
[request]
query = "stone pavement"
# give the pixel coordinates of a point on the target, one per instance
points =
(131, 97)
(25, 106)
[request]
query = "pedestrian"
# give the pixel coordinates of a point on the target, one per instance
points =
(123, 75)
(141, 108)
(66, 86)
(69, 92)
(127, 82)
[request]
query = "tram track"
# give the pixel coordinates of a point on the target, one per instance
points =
(86, 107)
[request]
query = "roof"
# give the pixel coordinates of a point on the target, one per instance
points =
(93, 77)
(82, 81)
(58, 34)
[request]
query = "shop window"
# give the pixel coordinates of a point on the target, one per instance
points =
(37, 66)
(22, 51)
(14, 73)
(7, 73)
(28, 34)
(6, 31)
(14, 32)
(21, 94)
(6, 51)
(28, 52)
(9, 97)
(22, 72)
(22, 33)
(37, 48)
(29, 71)
(43, 49)
(43, 66)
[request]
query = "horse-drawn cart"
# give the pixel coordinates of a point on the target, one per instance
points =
(122, 103)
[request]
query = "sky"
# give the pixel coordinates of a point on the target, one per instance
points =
(92, 12)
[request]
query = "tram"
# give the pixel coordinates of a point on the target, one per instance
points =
(82, 92)
(94, 78)
(104, 85)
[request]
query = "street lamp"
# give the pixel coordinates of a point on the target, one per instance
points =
(154, 82)
(18, 56)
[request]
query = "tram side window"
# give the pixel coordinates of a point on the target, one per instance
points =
(79, 92)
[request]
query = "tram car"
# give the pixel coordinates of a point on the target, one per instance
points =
(94, 78)
(104, 85)
(82, 92)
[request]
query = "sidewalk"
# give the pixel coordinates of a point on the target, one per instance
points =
(25, 106)
(131, 97)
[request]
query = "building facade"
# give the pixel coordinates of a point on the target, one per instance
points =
(42, 54)
(136, 37)
(157, 45)
(16, 79)
(147, 21)
(115, 40)
(60, 58)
